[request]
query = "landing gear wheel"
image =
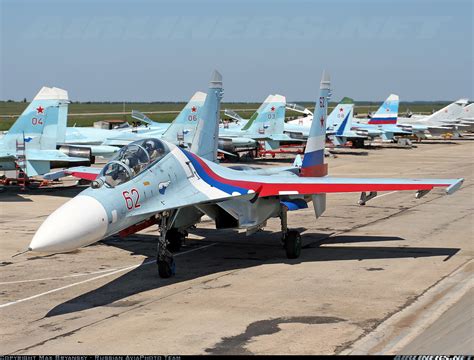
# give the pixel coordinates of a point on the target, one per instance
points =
(166, 267)
(175, 240)
(292, 244)
(358, 143)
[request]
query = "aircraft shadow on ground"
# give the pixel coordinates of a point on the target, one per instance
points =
(15, 194)
(233, 251)
(12, 197)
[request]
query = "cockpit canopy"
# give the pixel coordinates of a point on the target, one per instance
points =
(132, 160)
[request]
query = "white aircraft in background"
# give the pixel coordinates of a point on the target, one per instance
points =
(441, 122)
(466, 119)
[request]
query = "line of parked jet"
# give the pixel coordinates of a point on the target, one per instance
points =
(42, 135)
(153, 181)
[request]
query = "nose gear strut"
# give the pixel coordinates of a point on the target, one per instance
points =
(164, 258)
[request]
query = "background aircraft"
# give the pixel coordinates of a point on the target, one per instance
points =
(466, 119)
(267, 125)
(339, 125)
(104, 142)
(31, 142)
(441, 122)
(154, 182)
(383, 123)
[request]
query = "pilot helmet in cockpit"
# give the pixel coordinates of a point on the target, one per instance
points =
(154, 148)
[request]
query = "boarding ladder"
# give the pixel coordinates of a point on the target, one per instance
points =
(21, 163)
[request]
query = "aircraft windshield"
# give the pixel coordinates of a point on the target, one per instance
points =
(115, 173)
(132, 160)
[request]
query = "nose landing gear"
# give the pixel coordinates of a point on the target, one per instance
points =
(175, 239)
(164, 258)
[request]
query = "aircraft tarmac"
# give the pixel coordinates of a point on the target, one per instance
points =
(364, 269)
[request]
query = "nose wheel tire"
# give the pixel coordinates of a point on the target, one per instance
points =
(292, 242)
(166, 268)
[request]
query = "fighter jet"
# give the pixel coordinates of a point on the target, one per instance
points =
(383, 123)
(104, 142)
(267, 125)
(466, 119)
(339, 125)
(153, 182)
(441, 122)
(31, 142)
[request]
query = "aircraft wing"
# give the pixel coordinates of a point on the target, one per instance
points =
(216, 184)
(51, 155)
(323, 185)
(285, 187)
(275, 137)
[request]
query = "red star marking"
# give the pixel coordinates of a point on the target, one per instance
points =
(322, 120)
(273, 108)
(341, 109)
(387, 109)
(193, 109)
(40, 110)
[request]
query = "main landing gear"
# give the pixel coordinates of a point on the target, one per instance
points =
(291, 239)
(169, 241)
(175, 239)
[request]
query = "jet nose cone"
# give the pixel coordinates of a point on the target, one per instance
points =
(79, 222)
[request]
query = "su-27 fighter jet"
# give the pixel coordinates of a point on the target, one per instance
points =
(155, 182)
(40, 139)
(105, 142)
(267, 124)
(31, 142)
(383, 123)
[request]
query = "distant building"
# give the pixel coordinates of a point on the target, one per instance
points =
(108, 124)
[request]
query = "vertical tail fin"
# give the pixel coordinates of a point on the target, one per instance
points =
(43, 123)
(187, 119)
(206, 137)
(270, 116)
(449, 112)
(339, 113)
(387, 112)
(346, 123)
(313, 161)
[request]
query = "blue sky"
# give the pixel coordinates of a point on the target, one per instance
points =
(166, 50)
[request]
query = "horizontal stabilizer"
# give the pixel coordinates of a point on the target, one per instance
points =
(81, 172)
